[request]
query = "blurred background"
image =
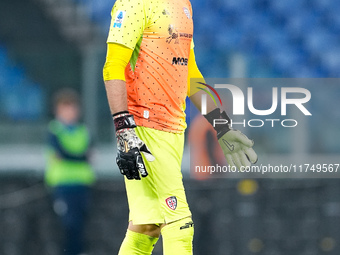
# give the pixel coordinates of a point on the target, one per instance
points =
(46, 45)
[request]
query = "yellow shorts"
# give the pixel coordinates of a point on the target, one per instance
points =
(159, 197)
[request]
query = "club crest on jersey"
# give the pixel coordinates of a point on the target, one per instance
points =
(119, 19)
(171, 202)
(186, 11)
(173, 35)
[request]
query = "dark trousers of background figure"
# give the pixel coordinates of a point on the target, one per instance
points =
(71, 203)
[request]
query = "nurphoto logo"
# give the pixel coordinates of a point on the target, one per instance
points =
(289, 96)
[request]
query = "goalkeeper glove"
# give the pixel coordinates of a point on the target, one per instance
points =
(236, 146)
(129, 147)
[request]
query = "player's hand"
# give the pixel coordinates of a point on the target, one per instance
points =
(236, 146)
(130, 147)
(237, 149)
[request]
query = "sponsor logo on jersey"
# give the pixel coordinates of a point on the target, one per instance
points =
(187, 12)
(185, 35)
(174, 35)
(171, 202)
(180, 61)
(119, 19)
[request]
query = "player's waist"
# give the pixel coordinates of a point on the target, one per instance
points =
(161, 121)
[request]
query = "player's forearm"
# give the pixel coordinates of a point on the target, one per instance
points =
(116, 95)
(196, 99)
(195, 79)
(117, 58)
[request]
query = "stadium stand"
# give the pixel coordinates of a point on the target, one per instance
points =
(32, 50)
(21, 99)
(290, 37)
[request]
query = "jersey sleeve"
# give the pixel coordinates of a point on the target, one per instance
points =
(194, 75)
(128, 21)
(117, 58)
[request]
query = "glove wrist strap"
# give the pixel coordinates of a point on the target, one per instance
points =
(221, 129)
(123, 120)
(119, 113)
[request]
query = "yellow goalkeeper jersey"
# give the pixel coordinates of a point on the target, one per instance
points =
(160, 33)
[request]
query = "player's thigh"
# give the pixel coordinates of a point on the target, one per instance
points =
(165, 171)
(143, 201)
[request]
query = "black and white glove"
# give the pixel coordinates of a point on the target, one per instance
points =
(236, 146)
(129, 147)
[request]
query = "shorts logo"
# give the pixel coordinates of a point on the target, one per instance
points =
(171, 202)
(119, 19)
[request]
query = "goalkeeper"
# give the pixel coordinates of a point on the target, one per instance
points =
(150, 59)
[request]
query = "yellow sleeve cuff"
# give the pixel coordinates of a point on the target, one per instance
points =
(117, 58)
(194, 74)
